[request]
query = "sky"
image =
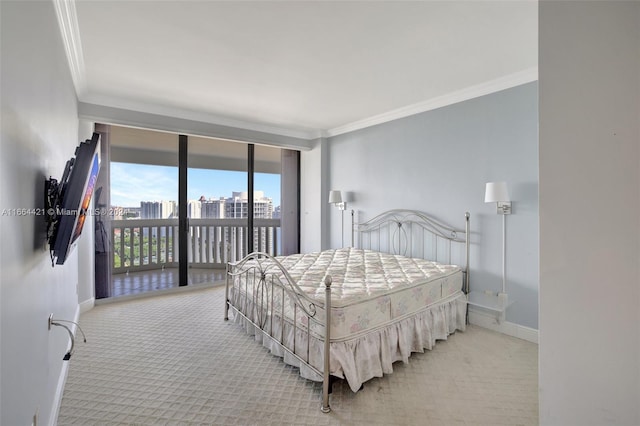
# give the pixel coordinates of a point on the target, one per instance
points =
(132, 183)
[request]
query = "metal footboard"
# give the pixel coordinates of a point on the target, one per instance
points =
(260, 290)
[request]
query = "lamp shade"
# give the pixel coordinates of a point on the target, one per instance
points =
(496, 191)
(335, 197)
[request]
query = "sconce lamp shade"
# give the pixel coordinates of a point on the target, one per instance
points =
(335, 197)
(495, 192)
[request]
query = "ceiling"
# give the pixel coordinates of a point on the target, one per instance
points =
(311, 67)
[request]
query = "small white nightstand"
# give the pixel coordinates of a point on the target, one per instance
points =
(489, 301)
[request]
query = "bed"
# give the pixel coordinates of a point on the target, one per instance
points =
(398, 289)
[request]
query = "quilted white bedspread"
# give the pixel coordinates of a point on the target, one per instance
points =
(371, 289)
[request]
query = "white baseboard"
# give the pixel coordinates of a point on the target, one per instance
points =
(488, 320)
(87, 305)
(62, 380)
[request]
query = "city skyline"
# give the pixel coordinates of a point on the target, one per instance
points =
(236, 206)
(132, 184)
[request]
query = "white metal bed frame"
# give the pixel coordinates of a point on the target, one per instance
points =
(403, 232)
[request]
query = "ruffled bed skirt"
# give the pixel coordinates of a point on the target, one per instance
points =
(366, 356)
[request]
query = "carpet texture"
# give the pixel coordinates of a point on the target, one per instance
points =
(172, 360)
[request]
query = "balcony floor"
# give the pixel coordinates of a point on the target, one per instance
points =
(135, 283)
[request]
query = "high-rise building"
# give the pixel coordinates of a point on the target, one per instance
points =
(194, 209)
(158, 209)
(213, 208)
(238, 205)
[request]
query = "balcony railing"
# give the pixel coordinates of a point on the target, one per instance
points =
(145, 244)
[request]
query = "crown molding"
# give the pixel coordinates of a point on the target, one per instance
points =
(502, 83)
(68, 22)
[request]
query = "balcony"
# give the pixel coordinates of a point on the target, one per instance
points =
(145, 251)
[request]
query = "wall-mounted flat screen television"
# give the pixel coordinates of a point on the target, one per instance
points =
(68, 201)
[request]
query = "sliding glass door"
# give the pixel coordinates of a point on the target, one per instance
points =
(267, 197)
(221, 205)
(189, 205)
(216, 185)
(144, 237)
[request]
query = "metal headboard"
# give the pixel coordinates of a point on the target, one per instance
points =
(413, 233)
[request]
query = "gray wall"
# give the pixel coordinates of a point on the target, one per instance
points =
(39, 134)
(310, 196)
(589, 213)
(439, 162)
(313, 197)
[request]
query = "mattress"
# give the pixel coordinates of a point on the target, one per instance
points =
(370, 290)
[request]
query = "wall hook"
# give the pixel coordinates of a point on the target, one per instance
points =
(57, 323)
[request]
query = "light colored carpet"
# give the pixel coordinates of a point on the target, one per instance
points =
(172, 360)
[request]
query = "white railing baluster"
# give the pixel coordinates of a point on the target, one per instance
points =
(122, 231)
(130, 248)
(213, 242)
(207, 245)
(158, 246)
(149, 245)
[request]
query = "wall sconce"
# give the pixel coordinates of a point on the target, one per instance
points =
(335, 198)
(496, 192)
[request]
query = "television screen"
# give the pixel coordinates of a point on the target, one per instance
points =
(75, 190)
